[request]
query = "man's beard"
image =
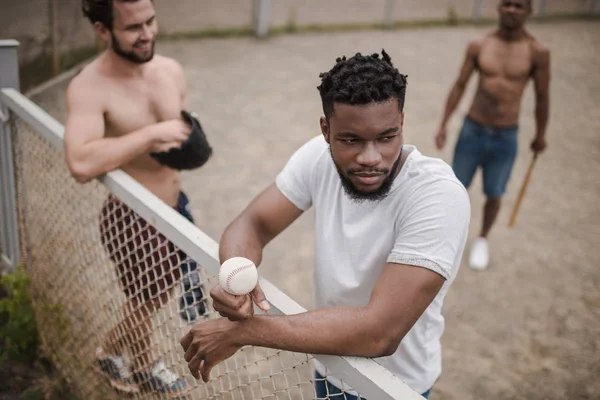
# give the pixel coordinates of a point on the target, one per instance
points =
(130, 55)
(379, 194)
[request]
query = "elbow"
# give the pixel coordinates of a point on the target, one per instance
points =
(80, 172)
(388, 347)
(385, 345)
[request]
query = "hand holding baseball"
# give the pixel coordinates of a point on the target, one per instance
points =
(238, 289)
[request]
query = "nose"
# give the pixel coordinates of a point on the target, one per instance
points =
(369, 156)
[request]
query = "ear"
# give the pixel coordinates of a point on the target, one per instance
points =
(324, 128)
(102, 31)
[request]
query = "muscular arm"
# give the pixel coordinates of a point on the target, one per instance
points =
(541, 80)
(458, 88)
(264, 218)
(401, 295)
(88, 153)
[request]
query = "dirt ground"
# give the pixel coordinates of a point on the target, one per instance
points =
(526, 328)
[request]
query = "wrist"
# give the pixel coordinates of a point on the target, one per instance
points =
(150, 133)
(240, 335)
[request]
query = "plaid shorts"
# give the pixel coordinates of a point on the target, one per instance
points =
(147, 263)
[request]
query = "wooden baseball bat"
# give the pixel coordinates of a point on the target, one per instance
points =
(515, 211)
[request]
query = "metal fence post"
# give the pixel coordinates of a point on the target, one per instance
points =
(260, 17)
(542, 12)
(9, 231)
(477, 7)
(388, 18)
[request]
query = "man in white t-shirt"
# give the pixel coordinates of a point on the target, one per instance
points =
(391, 226)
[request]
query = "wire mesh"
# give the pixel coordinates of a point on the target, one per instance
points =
(113, 296)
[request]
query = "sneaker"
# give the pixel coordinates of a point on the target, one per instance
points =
(191, 303)
(480, 254)
(162, 380)
(117, 371)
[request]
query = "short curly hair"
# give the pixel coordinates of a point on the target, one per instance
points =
(101, 11)
(362, 80)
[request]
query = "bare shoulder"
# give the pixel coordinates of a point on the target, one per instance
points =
(540, 51)
(87, 86)
(169, 65)
(477, 44)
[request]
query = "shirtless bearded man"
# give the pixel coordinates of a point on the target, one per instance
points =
(125, 110)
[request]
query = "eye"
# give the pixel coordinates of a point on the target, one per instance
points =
(349, 142)
(386, 139)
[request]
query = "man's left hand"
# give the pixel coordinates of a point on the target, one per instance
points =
(538, 145)
(207, 344)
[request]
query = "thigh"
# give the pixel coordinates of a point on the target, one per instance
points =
(147, 263)
(498, 163)
(467, 153)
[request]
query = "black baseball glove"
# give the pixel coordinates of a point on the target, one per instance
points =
(193, 153)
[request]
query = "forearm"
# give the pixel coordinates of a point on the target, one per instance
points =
(103, 155)
(453, 99)
(541, 116)
(344, 331)
(241, 239)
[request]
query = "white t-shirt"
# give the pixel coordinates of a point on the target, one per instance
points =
(422, 222)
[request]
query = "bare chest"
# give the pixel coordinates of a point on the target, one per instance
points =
(508, 61)
(136, 104)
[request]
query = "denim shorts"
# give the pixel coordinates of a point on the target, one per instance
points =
(492, 149)
(325, 390)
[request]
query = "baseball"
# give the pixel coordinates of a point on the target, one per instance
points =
(238, 276)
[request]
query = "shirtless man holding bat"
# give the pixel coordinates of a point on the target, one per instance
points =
(506, 60)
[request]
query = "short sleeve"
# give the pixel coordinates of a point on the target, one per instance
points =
(296, 179)
(433, 229)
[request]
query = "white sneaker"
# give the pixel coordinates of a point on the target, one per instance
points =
(117, 371)
(479, 258)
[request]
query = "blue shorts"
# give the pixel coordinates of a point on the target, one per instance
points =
(492, 149)
(325, 390)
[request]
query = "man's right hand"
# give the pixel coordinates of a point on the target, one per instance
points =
(440, 138)
(238, 308)
(170, 134)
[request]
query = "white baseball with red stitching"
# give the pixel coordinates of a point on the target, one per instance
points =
(238, 276)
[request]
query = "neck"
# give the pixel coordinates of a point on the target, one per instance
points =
(401, 159)
(122, 66)
(511, 34)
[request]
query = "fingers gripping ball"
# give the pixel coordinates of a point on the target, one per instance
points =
(193, 153)
(238, 276)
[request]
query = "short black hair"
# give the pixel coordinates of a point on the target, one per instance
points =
(362, 80)
(527, 3)
(101, 11)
